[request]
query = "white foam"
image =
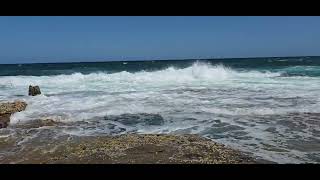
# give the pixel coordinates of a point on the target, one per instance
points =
(196, 72)
(202, 91)
(80, 96)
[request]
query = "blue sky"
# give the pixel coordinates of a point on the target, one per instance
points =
(32, 39)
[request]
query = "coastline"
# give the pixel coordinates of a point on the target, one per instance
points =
(127, 149)
(119, 149)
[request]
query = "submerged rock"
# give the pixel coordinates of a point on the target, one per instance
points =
(140, 118)
(6, 109)
(34, 90)
(37, 123)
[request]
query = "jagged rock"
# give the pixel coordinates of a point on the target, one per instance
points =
(6, 109)
(34, 90)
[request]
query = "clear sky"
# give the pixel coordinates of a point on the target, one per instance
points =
(61, 39)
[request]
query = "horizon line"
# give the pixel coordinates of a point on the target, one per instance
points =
(169, 59)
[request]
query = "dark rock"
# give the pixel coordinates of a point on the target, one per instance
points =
(38, 123)
(4, 120)
(140, 118)
(272, 129)
(34, 90)
(223, 129)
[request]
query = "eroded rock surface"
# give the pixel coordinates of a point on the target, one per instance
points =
(6, 109)
(130, 149)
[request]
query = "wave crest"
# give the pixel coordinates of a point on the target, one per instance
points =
(197, 72)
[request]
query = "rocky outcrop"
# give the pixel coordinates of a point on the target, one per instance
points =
(34, 90)
(6, 109)
(127, 149)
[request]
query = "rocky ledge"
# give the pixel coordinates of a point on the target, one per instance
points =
(6, 109)
(130, 149)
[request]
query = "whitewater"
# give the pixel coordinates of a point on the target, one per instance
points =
(266, 113)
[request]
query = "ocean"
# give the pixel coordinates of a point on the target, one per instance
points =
(266, 107)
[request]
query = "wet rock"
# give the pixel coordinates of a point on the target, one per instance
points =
(272, 129)
(6, 109)
(38, 123)
(4, 120)
(9, 108)
(34, 90)
(129, 149)
(223, 129)
(140, 118)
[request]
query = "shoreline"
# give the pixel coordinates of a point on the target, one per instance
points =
(128, 149)
(118, 149)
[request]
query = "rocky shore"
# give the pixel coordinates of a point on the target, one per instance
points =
(6, 109)
(123, 149)
(129, 149)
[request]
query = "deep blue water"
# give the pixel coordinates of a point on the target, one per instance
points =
(301, 66)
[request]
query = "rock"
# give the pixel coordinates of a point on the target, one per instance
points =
(38, 123)
(126, 149)
(10, 108)
(140, 118)
(34, 90)
(4, 120)
(6, 109)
